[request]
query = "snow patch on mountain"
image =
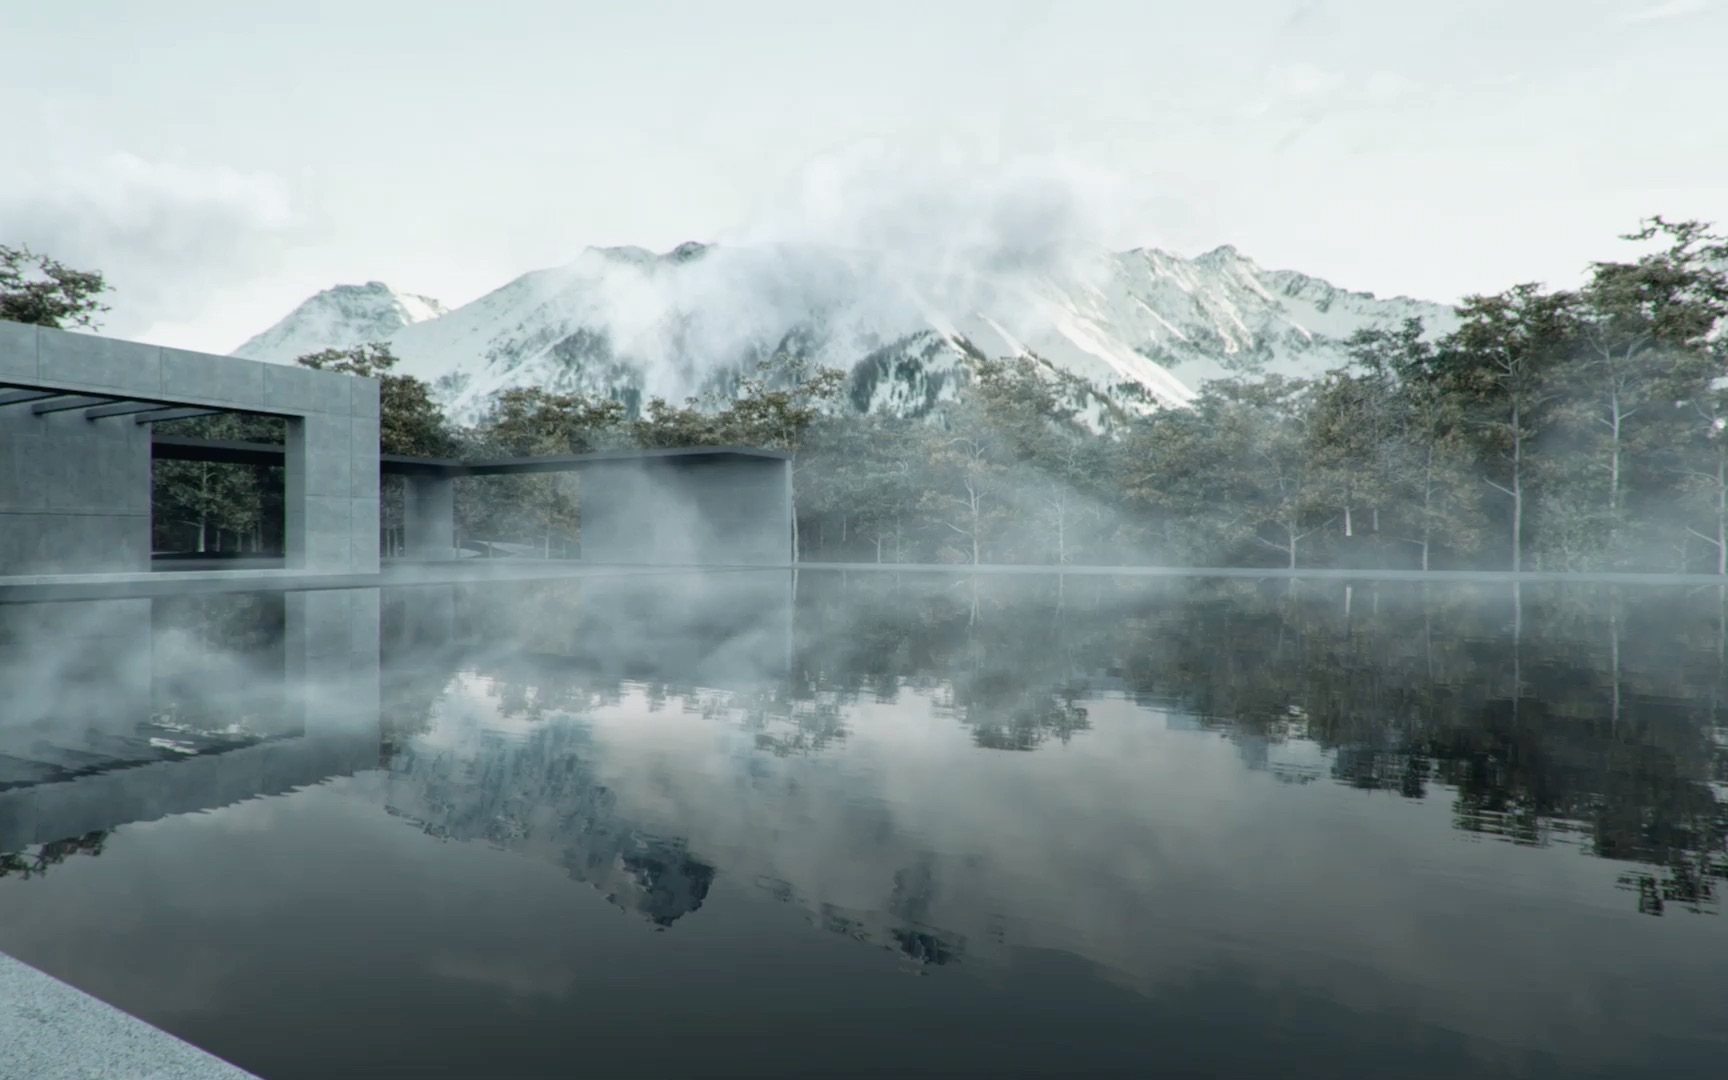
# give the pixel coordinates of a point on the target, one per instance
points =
(1143, 328)
(340, 318)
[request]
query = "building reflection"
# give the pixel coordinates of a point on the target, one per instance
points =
(116, 716)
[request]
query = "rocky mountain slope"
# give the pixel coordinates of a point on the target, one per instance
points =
(1144, 328)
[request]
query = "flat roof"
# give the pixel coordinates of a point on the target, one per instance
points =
(178, 448)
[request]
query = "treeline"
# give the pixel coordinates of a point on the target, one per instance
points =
(1550, 429)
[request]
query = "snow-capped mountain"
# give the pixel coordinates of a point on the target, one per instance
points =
(1142, 327)
(341, 318)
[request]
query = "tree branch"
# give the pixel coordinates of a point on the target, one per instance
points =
(1711, 540)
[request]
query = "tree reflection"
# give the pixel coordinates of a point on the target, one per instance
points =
(1588, 715)
(35, 861)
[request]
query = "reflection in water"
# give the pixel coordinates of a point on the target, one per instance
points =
(537, 795)
(1341, 803)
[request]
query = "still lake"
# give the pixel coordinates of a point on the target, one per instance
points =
(868, 824)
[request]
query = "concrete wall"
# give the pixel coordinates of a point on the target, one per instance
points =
(730, 511)
(75, 493)
(429, 517)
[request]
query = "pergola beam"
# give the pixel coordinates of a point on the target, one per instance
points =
(127, 408)
(20, 397)
(67, 404)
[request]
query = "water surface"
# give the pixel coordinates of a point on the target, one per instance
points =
(873, 824)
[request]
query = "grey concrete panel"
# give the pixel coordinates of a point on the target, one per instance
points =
(70, 543)
(23, 464)
(363, 449)
(332, 394)
(88, 362)
(18, 351)
(363, 398)
(328, 455)
(290, 389)
(326, 544)
(201, 377)
(429, 517)
(363, 535)
(96, 476)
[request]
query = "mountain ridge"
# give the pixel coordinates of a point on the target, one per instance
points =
(1143, 328)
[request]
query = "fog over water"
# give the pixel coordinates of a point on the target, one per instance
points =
(746, 824)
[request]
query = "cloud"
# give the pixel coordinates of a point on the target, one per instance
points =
(945, 206)
(166, 235)
(1673, 9)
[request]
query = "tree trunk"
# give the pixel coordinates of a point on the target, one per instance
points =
(1517, 493)
(1614, 457)
(1614, 662)
(1722, 510)
(977, 522)
(203, 508)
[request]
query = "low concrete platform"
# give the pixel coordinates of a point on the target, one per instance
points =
(52, 1031)
(52, 588)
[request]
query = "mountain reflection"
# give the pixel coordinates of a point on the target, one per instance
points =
(537, 795)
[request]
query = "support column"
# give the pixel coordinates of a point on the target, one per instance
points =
(330, 467)
(316, 504)
(429, 518)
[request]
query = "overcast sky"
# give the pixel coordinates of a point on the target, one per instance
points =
(222, 161)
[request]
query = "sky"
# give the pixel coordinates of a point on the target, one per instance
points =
(221, 162)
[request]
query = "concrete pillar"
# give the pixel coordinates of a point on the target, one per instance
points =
(429, 518)
(330, 469)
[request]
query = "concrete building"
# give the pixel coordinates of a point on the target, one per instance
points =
(75, 449)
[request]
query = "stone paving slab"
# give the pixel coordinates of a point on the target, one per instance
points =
(52, 1031)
